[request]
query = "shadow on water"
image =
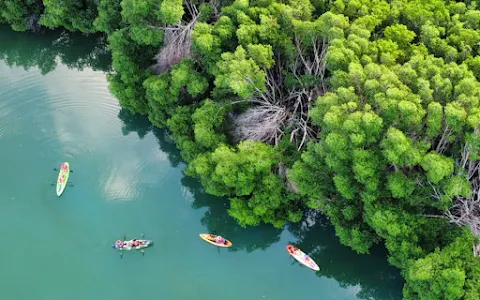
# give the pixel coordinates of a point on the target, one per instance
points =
(142, 126)
(168, 146)
(216, 218)
(74, 50)
(134, 123)
(371, 273)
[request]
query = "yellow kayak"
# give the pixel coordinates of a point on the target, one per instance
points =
(210, 238)
(63, 178)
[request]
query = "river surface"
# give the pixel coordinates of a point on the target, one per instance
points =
(128, 179)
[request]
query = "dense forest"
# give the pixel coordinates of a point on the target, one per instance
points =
(364, 110)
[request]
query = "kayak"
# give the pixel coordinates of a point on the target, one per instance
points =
(128, 245)
(62, 179)
(302, 257)
(210, 238)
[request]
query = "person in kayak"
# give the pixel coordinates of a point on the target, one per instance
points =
(293, 250)
(220, 240)
(135, 243)
(64, 167)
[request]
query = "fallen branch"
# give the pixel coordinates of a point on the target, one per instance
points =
(177, 46)
(281, 108)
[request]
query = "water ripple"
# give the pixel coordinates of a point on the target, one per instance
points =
(125, 177)
(74, 113)
(121, 181)
(83, 111)
(15, 103)
(66, 107)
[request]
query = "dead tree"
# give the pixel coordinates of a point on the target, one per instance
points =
(261, 123)
(177, 38)
(466, 211)
(177, 46)
(280, 108)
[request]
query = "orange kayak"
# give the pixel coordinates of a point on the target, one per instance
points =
(210, 238)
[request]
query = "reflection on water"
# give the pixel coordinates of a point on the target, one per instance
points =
(134, 123)
(370, 274)
(216, 218)
(141, 125)
(120, 182)
(72, 49)
(218, 221)
(366, 276)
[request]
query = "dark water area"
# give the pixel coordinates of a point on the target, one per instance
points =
(128, 178)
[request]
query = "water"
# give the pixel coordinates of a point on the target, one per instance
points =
(55, 106)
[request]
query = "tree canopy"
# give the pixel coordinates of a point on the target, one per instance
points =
(366, 111)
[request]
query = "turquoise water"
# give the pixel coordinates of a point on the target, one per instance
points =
(55, 106)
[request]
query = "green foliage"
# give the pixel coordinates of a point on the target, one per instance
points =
(143, 17)
(240, 73)
(418, 100)
(399, 150)
(398, 111)
(245, 174)
(126, 82)
(72, 14)
(164, 90)
(400, 185)
(171, 11)
(21, 15)
(448, 273)
(109, 16)
(437, 166)
(209, 120)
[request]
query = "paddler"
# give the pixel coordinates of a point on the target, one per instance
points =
(293, 250)
(220, 240)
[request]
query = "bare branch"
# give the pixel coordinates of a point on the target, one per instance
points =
(282, 108)
(442, 144)
(260, 123)
(178, 45)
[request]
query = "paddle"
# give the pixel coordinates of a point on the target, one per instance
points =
(121, 251)
(55, 169)
(69, 183)
(143, 251)
(125, 238)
